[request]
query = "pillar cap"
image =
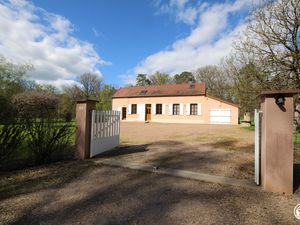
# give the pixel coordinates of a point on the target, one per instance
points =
(290, 92)
(86, 100)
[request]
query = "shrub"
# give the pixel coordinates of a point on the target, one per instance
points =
(36, 105)
(48, 141)
(11, 137)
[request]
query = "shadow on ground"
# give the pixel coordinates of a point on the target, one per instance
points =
(220, 157)
(296, 178)
(34, 179)
(124, 150)
(131, 197)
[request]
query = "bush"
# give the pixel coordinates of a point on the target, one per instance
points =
(48, 141)
(11, 137)
(36, 105)
(7, 111)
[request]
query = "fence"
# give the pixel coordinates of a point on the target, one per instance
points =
(105, 131)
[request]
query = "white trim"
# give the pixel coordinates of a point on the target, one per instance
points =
(129, 109)
(153, 109)
(188, 109)
(163, 111)
(199, 109)
(180, 109)
(170, 109)
(140, 110)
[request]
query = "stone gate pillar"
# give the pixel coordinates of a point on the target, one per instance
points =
(83, 128)
(277, 150)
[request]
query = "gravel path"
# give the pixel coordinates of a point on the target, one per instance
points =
(111, 195)
(213, 149)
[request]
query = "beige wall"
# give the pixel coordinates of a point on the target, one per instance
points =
(207, 104)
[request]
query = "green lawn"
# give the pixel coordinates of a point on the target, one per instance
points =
(296, 141)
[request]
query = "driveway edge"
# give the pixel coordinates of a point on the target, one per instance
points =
(179, 173)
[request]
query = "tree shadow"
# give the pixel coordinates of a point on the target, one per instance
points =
(124, 150)
(34, 179)
(131, 197)
(197, 157)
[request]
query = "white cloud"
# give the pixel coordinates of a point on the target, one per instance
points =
(207, 43)
(30, 34)
(181, 10)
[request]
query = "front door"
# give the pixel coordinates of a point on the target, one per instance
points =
(123, 113)
(148, 112)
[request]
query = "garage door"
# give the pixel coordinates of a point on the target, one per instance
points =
(220, 116)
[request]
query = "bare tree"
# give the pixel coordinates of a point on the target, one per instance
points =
(217, 83)
(91, 84)
(271, 42)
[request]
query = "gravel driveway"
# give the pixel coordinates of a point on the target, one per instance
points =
(214, 149)
(111, 195)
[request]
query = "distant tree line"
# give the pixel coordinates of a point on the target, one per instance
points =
(13, 82)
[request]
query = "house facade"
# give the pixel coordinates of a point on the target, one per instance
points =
(176, 103)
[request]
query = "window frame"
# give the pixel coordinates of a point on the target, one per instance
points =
(176, 112)
(158, 109)
(133, 108)
(193, 109)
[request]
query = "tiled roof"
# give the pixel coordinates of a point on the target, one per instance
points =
(161, 90)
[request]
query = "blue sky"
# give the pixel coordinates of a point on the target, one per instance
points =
(117, 38)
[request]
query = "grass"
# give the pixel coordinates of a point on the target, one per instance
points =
(23, 155)
(251, 128)
(297, 147)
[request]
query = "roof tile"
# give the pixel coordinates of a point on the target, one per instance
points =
(162, 90)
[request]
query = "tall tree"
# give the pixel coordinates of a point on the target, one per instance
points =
(105, 99)
(142, 80)
(12, 77)
(91, 84)
(217, 83)
(12, 82)
(160, 78)
(184, 77)
(67, 101)
(272, 42)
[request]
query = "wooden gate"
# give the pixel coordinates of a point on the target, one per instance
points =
(105, 131)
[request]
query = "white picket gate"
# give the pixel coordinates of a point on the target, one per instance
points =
(105, 131)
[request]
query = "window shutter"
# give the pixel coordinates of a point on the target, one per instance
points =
(170, 109)
(153, 109)
(129, 109)
(163, 109)
(188, 109)
(119, 109)
(199, 109)
(141, 111)
(180, 109)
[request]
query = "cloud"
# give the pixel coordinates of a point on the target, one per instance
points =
(208, 42)
(181, 10)
(31, 34)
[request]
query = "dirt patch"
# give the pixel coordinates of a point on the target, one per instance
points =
(110, 195)
(214, 149)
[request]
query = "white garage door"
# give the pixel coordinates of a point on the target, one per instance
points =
(220, 116)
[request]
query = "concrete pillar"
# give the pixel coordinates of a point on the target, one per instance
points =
(83, 128)
(277, 141)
